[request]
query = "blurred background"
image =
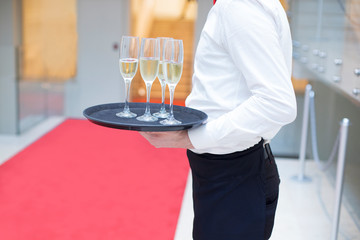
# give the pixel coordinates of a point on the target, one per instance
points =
(59, 57)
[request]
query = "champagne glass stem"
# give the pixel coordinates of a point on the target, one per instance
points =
(163, 88)
(171, 119)
(172, 90)
(148, 91)
(162, 112)
(127, 94)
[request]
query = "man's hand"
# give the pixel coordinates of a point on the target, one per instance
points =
(172, 139)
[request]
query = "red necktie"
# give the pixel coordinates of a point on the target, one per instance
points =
(214, 1)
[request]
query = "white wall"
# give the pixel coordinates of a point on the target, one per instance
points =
(100, 24)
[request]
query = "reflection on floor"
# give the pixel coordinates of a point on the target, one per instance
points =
(305, 208)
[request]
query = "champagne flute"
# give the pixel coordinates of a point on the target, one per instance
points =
(172, 66)
(128, 63)
(149, 67)
(162, 112)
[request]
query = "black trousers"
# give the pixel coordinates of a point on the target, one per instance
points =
(234, 195)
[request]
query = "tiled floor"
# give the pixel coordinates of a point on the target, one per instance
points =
(304, 212)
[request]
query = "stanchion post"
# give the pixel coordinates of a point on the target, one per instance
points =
(339, 177)
(301, 176)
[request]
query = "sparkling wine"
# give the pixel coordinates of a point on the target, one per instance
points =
(173, 72)
(128, 67)
(149, 68)
(161, 72)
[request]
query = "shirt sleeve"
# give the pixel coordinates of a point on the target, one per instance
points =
(252, 39)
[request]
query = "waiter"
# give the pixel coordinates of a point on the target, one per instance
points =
(242, 81)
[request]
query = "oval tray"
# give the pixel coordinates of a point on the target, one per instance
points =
(105, 115)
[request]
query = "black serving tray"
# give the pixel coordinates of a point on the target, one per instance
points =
(105, 115)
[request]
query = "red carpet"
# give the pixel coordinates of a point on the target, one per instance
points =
(83, 181)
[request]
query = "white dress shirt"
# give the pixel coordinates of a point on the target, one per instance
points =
(242, 76)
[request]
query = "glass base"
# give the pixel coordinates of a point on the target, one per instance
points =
(147, 118)
(170, 122)
(160, 114)
(126, 114)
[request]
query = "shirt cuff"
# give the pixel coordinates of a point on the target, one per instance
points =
(200, 137)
